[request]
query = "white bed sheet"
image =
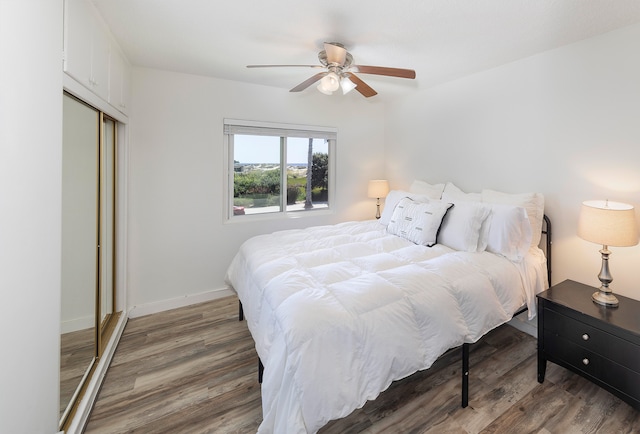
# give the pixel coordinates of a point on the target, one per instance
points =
(339, 312)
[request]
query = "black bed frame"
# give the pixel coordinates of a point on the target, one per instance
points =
(546, 231)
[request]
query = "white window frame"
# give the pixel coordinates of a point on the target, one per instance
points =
(238, 126)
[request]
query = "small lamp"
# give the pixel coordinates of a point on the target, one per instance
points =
(609, 224)
(378, 188)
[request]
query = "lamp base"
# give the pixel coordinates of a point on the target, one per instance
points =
(606, 299)
(604, 296)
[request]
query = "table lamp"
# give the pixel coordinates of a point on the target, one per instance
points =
(378, 188)
(610, 224)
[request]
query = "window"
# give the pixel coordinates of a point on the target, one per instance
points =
(276, 168)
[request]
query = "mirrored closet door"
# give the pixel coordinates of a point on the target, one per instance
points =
(88, 245)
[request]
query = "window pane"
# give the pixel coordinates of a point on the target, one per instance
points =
(256, 179)
(307, 189)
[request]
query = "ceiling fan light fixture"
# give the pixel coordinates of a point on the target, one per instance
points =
(322, 89)
(338, 72)
(329, 83)
(347, 85)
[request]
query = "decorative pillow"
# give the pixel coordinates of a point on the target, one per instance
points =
(532, 202)
(509, 232)
(421, 187)
(392, 200)
(418, 222)
(461, 226)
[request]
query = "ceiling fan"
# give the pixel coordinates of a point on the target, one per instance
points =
(339, 73)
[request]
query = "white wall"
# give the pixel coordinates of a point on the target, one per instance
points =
(565, 123)
(178, 244)
(30, 213)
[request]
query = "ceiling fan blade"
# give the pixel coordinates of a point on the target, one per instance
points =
(361, 86)
(285, 66)
(381, 70)
(308, 82)
(336, 53)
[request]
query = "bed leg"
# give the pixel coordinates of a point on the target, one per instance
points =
(465, 375)
(260, 370)
(240, 311)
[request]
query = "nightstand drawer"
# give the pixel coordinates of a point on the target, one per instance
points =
(594, 365)
(592, 339)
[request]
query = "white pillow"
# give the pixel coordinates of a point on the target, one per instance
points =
(461, 226)
(392, 200)
(509, 232)
(453, 192)
(532, 202)
(418, 222)
(421, 187)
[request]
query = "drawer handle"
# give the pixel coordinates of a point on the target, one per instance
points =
(585, 337)
(585, 361)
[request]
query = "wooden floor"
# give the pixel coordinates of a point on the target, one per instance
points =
(77, 351)
(194, 370)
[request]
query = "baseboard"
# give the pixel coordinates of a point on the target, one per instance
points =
(73, 325)
(187, 300)
(83, 411)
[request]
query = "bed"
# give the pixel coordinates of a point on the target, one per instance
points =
(339, 312)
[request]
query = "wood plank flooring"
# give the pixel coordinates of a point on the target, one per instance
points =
(77, 351)
(194, 370)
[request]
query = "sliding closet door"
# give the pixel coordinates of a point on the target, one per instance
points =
(79, 246)
(88, 246)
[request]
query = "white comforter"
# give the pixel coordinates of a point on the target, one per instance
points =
(339, 312)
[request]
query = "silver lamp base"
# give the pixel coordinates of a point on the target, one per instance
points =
(605, 298)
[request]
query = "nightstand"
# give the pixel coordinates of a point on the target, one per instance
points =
(601, 344)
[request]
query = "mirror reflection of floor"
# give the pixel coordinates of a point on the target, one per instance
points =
(77, 350)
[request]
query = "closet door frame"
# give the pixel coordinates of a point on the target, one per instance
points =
(104, 326)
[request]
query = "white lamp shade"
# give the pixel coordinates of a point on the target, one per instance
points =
(378, 188)
(324, 90)
(347, 85)
(329, 83)
(608, 223)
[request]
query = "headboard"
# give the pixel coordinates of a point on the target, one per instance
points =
(546, 231)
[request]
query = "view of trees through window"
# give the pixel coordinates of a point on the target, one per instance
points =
(258, 182)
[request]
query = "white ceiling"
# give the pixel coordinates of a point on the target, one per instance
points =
(440, 39)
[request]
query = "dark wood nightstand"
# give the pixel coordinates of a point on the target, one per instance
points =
(601, 344)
